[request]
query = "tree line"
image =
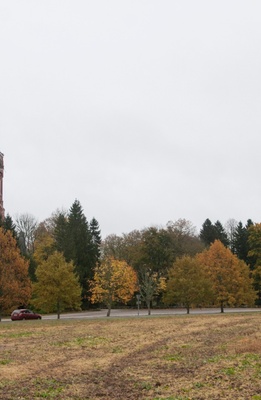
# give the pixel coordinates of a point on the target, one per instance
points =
(62, 264)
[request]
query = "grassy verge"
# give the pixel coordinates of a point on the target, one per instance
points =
(158, 358)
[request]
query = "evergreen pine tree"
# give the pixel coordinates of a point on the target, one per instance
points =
(208, 232)
(211, 232)
(8, 225)
(221, 233)
(251, 260)
(79, 248)
(60, 232)
(241, 245)
(96, 239)
(240, 242)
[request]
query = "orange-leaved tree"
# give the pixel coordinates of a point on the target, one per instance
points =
(114, 281)
(230, 276)
(15, 285)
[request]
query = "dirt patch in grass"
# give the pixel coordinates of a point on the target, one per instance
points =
(150, 358)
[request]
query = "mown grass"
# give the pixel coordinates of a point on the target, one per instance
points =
(147, 358)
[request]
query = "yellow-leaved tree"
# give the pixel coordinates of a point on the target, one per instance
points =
(188, 283)
(15, 285)
(44, 246)
(114, 281)
(57, 287)
(231, 282)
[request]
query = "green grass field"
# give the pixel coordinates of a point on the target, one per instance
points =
(153, 358)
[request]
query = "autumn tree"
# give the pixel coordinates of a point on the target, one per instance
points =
(155, 247)
(148, 252)
(126, 247)
(44, 247)
(230, 276)
(114, 281)
(15, 285)
(188, 283)
(57, 287)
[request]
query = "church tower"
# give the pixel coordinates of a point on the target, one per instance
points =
(2, 210)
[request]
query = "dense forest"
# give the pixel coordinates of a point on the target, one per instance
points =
(62, 263)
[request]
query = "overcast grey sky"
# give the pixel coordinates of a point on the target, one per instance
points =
(145, 111)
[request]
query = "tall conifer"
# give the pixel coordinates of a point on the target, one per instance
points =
(208, 232)
(80, 243)
(96, 239)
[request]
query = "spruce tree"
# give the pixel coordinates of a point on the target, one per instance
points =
(60, 232)
(96, 239)
(211, 232)
(221, 233)
(8, 225)
(208, 232)
(79, 248)
(251, 259)
(241, 243)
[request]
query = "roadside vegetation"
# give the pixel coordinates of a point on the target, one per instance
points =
(62, 264)
(144, 358)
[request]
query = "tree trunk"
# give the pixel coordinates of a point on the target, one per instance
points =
(148, 305)
(222, 306)
(109, 311)
(187, 309)
(58, 310)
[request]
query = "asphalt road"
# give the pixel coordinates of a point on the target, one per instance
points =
(143, 312)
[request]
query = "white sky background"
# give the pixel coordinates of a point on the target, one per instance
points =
(145, 111)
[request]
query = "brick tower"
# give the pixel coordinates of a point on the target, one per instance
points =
(2, 210)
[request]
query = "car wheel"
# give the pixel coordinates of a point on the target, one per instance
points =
(39, 318)
(23, 319)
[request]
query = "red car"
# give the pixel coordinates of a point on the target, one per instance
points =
(24, 314)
